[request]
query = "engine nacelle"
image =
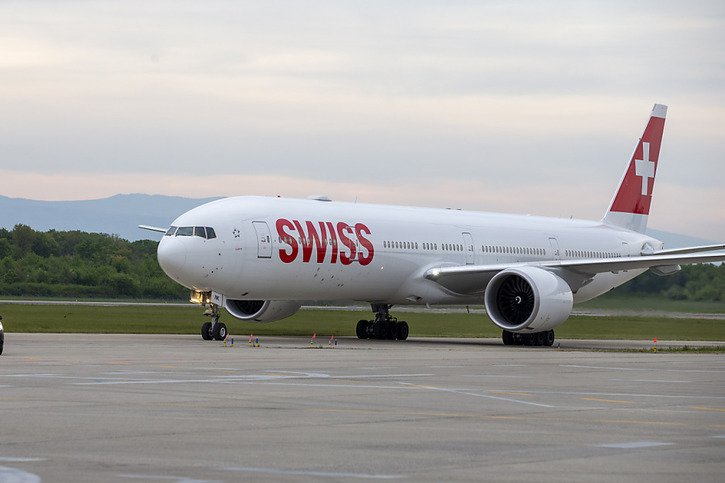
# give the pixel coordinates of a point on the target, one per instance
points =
(261, 310)
(528, 299)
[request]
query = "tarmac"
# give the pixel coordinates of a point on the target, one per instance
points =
(122, 408)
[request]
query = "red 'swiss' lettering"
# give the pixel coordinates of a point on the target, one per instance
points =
(344, 242)
(333, 241)
(287, 239)
(346, 259)
(367, 244)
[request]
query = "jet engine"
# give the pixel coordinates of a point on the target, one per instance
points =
(527, 299)
(261, 310)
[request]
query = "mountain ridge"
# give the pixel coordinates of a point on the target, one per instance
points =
(121, 214)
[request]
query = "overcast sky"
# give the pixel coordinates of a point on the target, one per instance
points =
(524, 107)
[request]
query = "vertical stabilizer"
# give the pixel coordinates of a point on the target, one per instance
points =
(630, 206)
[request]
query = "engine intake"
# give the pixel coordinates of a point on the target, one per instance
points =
(261, 310)
(528, 299)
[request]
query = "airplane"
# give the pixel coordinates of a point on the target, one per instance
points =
(261, 257)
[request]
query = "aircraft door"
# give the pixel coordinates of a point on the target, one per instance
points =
(264, 239)
(555, 247)
(468, 247)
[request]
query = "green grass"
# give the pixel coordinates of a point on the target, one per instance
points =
(187, 320)
(652, 303)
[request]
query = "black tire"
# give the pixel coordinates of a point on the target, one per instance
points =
(529, 339)
(392, 330)
(402, 330)
(220, 331)
(549, 338)
(206, 331)
(378, 330)
(362, 329)
(507, 337)
(540, 338)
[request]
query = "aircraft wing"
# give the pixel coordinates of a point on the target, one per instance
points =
(463, 278)
(679, 251)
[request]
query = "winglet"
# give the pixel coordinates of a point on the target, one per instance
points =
(631, 203)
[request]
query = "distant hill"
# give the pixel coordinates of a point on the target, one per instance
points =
(118, 215)
(121, 214)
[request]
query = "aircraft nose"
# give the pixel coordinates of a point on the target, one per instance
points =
(172, 257)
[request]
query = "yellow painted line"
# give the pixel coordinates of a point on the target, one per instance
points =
(705, 408)
(613, 401)
(511, 393)
(440, 414)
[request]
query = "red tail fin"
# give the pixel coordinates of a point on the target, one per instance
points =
(631, 203)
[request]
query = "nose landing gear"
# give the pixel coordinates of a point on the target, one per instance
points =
(213, 330)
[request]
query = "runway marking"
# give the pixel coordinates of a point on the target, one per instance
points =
(319, 474)
(719, 436)
(652, 380)
(625, 394)
(705, 408)
(14, 475)
(637, 421)
(578, 366)
(474, 394)
(439, 414)
(512, 393)
(634, 445)
(613, 401)
(31, 375)
(11, 459)
(178, 479)
(444, 367)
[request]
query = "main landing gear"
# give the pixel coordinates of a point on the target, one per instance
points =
(213, 330)
(545, 338)
(383, 327)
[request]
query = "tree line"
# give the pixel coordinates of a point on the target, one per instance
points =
(78, 264)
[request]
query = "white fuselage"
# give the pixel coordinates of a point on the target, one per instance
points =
(292, 249)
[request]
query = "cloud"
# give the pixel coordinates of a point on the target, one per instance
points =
(485, 96)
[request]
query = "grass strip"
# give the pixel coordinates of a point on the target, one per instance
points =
(187, 320)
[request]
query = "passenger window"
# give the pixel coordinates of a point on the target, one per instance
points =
(210, 233)
(185, 231)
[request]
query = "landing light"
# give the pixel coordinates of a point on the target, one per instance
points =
(435, 273)
(198, 297)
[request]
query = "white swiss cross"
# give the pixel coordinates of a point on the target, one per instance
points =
(645, 168)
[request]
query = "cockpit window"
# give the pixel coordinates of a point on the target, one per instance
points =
(171, 231)
(200, 231)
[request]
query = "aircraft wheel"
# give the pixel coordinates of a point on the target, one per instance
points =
(392, 330)
(378, 330)
(362, 329)
(507, 337)
(540, 338)
(402, 330)
(549, 338)
(206, 331)
(220, 331)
